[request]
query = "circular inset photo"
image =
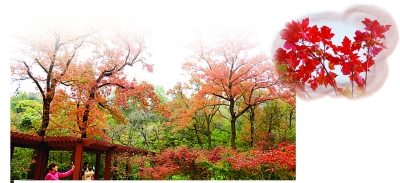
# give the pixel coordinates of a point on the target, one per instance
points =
(337, 54)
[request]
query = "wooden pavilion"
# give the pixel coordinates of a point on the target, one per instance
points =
(78, 146)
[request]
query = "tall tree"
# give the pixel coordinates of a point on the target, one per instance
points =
(140, 121)
(191, 111)
(112, 53)
(181, 104)
(232, 72)
(45, 56)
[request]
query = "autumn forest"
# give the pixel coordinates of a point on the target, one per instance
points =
(233, 119)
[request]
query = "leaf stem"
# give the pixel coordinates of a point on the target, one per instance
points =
(352, 82)
(366, 71)
(326, 70)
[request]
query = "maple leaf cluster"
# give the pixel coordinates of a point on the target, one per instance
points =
(308, 56)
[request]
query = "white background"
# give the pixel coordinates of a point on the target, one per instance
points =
(338, 140)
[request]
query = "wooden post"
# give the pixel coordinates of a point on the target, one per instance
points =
(41, 162)
(107, 166)
(97, 166)
(45, 160)
(11, 152)
(71, 177)
(77, 156)
(128, 170)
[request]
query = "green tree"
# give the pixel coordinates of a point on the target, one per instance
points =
(26, 112)
(20, 163)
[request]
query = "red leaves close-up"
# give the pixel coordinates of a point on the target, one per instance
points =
(309, 58)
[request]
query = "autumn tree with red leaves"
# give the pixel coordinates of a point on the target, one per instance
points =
(191, 112)
(233, 73)
(84, 67)
(308, 57)
(104, 76)
(44, 57)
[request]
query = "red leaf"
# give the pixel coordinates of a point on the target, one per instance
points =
(346, 69)
(303, 34)
(333, 75)
(346, 46)
(375, 51)
(326, 33)
(289, 46)
(304, 23)
(359, 80)
(314, 34)
(364, 65)
(314, 85)
(331, 65)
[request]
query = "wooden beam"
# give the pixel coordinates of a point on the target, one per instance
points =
(86, 142)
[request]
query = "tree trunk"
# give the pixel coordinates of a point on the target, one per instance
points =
(142, 131)
(290, 117)
(209, 134)
(198, 136)
(85, 118)
(46, 116)
(270, 124)
(80, 125)
(252, 127)
(45, 123)
(233, 132)
(233, 122)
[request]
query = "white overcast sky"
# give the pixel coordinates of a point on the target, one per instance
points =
(172, 24)
(338, 140)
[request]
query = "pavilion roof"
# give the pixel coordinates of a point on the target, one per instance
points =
(69, 143)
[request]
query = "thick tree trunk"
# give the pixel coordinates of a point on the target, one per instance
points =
(233, 132)
(85, 117)
(45, 123)
(46, 116)
(233, 123)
